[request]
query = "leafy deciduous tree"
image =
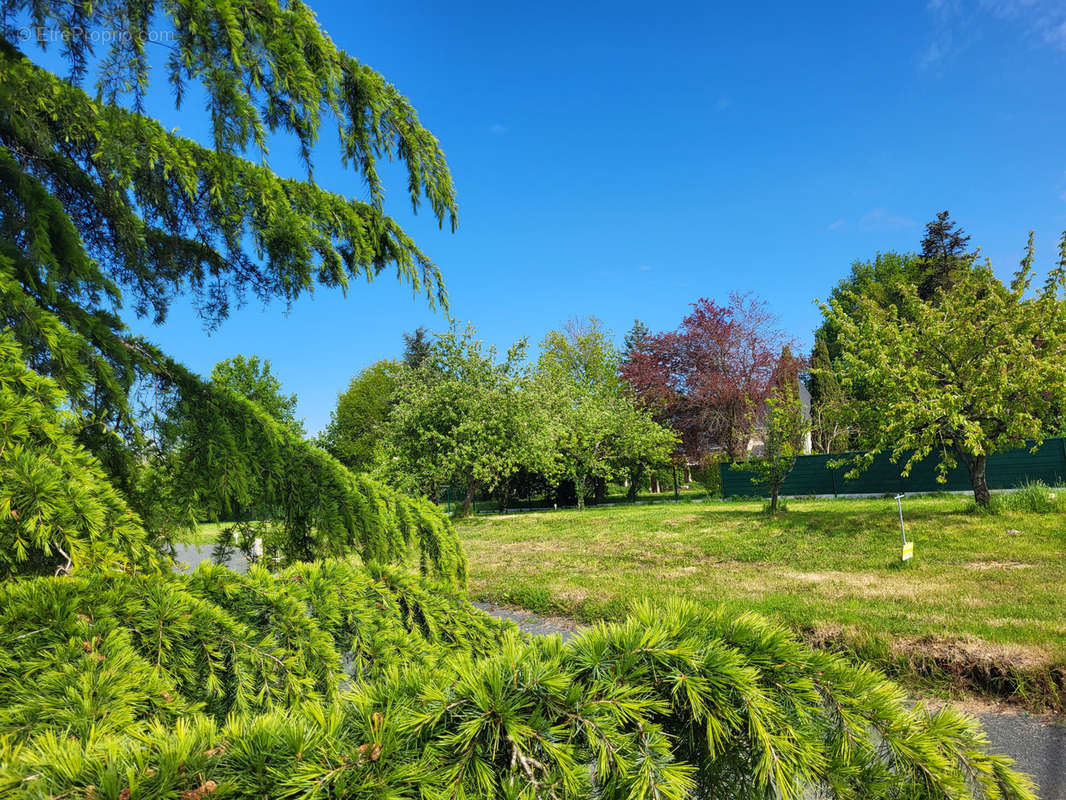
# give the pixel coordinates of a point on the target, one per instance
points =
(708, 378)
(252, 378)
(879, 280)
(975, 371)
(598, 430)
(784, 427)
(461, 418)
(356, 429)
(942, 260)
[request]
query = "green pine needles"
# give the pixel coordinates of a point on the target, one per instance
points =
(57, 507)
(332, 681)
(102, 208)
(59, 511)
(230, 453)
(215, 642)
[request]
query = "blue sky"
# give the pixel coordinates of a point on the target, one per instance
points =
(622, 160)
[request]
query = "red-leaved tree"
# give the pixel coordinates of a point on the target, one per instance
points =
(710, 378)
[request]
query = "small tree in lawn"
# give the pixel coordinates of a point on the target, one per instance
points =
(462, 418)
(977, 370)
(598, 431)
(786, 426)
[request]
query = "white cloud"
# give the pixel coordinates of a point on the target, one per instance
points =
(1042, 20)
(837, 223)
(936, 52)
(879, 219)
(644, 268)
(1056, 35)
(497, 129)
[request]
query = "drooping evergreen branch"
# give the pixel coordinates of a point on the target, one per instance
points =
(99, 203)
(229, 452)
(220, 450)
(214, 642)
(265, 66)
(673, 703)
(96, 196)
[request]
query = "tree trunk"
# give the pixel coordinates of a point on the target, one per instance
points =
(737, 438)
(654, 483)
(976, 466)
(469, 499)
(773, 499)
(579, 488)
(636, 472)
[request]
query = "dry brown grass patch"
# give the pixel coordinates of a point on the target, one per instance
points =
(985, 566)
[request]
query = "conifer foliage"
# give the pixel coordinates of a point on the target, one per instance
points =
(59, 511)
(57, 508)
(103, 209)
(228, 450)
(242, 696)
(107, 654)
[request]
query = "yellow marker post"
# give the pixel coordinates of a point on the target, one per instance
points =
(908, 547)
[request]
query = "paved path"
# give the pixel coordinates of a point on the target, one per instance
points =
(190, 556)
(1037, 743)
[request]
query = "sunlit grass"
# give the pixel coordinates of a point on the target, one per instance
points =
(982, 586)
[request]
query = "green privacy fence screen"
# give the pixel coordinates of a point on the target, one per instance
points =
(812, 476)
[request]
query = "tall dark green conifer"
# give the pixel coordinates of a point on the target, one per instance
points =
(416, 346)
(943, 256)
(828, 433)
(633, 338)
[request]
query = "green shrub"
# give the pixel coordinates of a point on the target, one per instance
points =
(122, 651)
(709, 475)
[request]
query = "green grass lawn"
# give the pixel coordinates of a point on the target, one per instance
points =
(207, 532)
(983, 593)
